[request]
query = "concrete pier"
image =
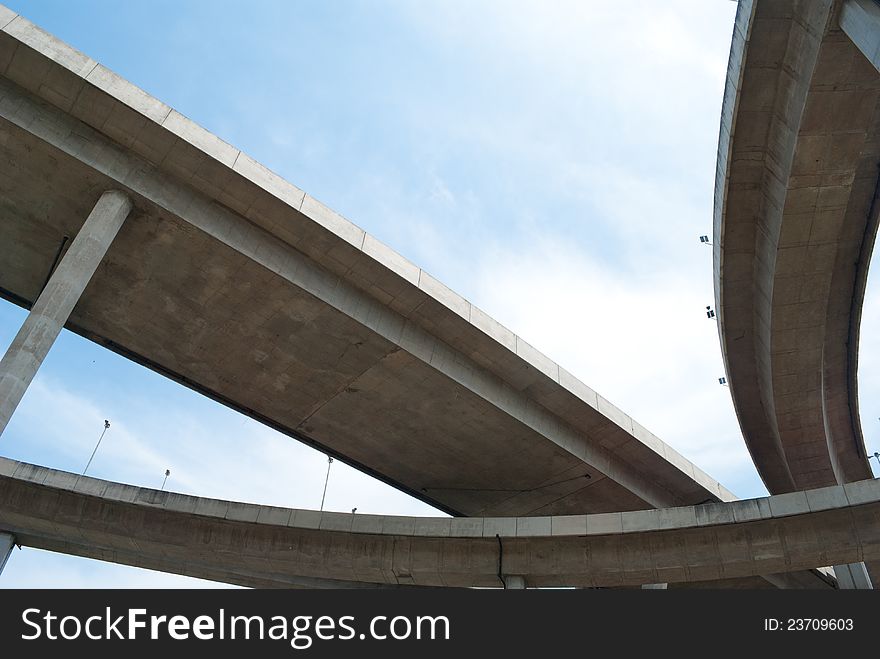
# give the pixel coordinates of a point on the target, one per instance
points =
(860, 20)
(7, 542)
(52, 308)
(853, 576)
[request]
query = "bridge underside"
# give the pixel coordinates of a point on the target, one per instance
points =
(238, 285)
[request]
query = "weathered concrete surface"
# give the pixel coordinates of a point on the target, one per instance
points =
(795, 222)
(236, 283)
(263, 545)
(52, 309)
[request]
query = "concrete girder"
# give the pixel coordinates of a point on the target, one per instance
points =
(261, 545)
(7, 542)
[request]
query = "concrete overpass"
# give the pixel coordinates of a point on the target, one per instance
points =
(719, 544)
(796, 217)
(795, 222)
(226, 278)
(141, 231)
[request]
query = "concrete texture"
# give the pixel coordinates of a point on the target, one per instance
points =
(84, 516)
(795, 222)
(52, 308)
(7, 542)
(225, 269)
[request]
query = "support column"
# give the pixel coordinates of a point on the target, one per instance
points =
(53, 307)
(853, 576)
(514, 582)
(653, 586)
(7, 542)
(860, 20)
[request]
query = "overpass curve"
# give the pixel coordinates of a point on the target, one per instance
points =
(796, 214)
(254, 545)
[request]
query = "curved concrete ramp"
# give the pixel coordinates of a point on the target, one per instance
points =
(267, 546)
(795, 222)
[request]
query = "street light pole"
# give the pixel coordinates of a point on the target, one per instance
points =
(326, 480)
(106, 426)
(165, 480)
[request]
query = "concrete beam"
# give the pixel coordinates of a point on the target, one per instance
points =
(52, 309)
(860, 20)
(258, 545)
(853, 576)
(7, 542)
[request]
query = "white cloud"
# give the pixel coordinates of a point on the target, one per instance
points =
(642, 341)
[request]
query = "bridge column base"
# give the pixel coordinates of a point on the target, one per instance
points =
(514, 582)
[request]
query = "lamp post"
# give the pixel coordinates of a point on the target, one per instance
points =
(326, 480)
(106, 427)
(165, 480)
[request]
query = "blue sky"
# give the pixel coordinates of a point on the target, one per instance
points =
(553, 162)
